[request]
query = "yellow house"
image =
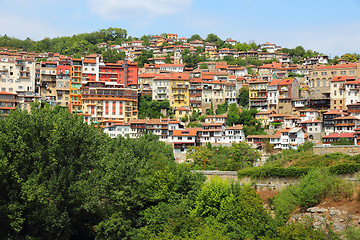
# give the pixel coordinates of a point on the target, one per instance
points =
(182, 112)
(75, 85)
(179, 90)
(258, 94)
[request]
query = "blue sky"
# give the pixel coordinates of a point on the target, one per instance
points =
(330, 27)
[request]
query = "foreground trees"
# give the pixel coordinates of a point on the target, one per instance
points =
(63, 179)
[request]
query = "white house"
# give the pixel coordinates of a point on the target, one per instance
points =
(118, 129)
(234, 134)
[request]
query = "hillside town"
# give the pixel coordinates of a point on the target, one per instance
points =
(312, 100)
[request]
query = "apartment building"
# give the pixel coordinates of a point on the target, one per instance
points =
(258, 94)
(63, 83)
(320, 81)
(179, 90)
(17, 75)
(75, 85)
(161, 87)
(109, 101)
(8, 102)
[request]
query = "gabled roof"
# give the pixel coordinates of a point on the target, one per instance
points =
(337, 112)
(340, 135)
(346, 65)
(311, 121)
(236, 127)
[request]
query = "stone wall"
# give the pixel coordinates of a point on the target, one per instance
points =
(267, 183)
(346, 149)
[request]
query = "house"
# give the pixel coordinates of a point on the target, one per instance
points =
(212, 132)
(230, 41)
(288, 138)
(291, 122)
(137, 127)
(320, 81)
(234, 134)
(117, 129)
(288, 90)
(183, 139)
(172, 36)
(263, 117)
(313, 128)
(258, 94)
(346, 124)
(8, 102)
(329, 122)
(308, 114)
(335, 137)
(216, 119)
(323, 59)
(257, 141)
(182, 112)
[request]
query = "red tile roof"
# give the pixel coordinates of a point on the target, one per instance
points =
(340, 135)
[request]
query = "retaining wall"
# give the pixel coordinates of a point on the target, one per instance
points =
(346, 149)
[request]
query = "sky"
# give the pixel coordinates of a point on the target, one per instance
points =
(330, 27)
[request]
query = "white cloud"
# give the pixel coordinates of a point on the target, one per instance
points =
(132, 9)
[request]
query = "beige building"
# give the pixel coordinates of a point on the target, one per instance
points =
(320, 82)
(18, 77)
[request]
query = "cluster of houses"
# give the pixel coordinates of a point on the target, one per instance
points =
(174, 132)
(312, 100)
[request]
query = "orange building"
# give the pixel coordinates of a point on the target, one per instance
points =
(75, 85)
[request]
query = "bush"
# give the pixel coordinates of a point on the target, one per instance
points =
(276, 171)
(313, 188)
(264, 172)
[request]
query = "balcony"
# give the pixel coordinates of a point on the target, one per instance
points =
(344, 124)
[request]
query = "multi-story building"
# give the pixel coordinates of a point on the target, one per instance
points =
(308, 114)
(273, 95)
(63, 83)
(118, 129)
(75, 85)
(346, 124)
(288, 90)
(195, 93)
(320, 81)
(329, 122)
(234, 134)
(258, 94)
(48, 73)
(288, 138)
(109, 101)
(8, 102)
(313, 129)
(17, 75)
(179, 90)
(161, 87)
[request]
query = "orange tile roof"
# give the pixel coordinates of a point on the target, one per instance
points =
(346, 65)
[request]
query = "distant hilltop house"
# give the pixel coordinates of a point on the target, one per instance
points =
(271, 48)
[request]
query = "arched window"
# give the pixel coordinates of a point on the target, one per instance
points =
(317, 82)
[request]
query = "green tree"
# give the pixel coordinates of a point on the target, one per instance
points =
(237, 207)
(167, 59)
(204, 66)
(144, 58)
(195, 37)
(113, 56)
(244, 96)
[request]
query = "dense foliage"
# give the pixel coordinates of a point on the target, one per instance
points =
(245, 117)
(61, 178)
(236, 157)
(77, 44)
(149, 108)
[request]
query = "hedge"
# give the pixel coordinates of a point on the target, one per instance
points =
(264, 172)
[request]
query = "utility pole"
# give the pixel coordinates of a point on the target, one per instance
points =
(217, 159)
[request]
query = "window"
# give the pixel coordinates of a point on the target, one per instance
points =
(335, 93)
